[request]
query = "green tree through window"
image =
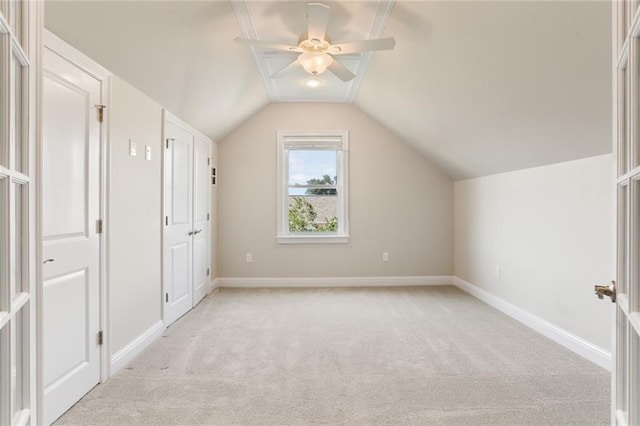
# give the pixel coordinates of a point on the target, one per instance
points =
(326, 180)
(302, 218)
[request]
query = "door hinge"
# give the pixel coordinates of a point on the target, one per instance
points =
(208, 216)
(101, 112)
(170, 139)
(100, 338)
(166, 220)
(209, 161)
(99, 226)
(207, 271)
(166, 297)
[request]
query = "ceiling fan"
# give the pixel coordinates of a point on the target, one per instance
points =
(315, 52)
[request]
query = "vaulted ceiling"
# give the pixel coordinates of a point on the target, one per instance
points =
(478, 87)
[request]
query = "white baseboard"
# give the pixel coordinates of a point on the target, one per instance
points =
(213, 285)
(570, 341)
(135, 347)
(334, 282)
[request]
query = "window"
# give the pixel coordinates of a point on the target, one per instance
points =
(312, 187)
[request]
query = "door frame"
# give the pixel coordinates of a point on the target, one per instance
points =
(168, 117)
(65, 50)
(614, 198)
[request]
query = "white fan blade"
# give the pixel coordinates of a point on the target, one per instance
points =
(341, 71)
(283, 71)
(317, 20)
(268, 45)
(363, 46)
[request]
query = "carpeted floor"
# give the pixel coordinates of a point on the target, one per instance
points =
(429, 356)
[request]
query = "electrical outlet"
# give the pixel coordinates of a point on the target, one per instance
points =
(147, 152)
(132, 148)
(249, 258)
(385, 256)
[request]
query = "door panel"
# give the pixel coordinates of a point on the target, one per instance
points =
(18, 203)
(181, 180)
(626, 147)
(178, 255)
(65, 188)
(71, 188)
(71, 352)
(180, 260)
(201, 218)
(200, 266)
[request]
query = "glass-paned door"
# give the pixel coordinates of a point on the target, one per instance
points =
(626, 373)
(16, 213)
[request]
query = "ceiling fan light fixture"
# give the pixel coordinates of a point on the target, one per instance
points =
(315, 62)
(312, 82)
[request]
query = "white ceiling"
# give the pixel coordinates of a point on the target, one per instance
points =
(478, 87)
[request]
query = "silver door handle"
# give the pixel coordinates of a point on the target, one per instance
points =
(197, 231)
(48, 260)
(190, 233)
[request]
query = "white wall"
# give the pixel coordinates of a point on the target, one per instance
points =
(135, 216)
(550, 231)
(399, 202)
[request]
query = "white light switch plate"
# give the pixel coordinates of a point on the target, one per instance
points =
(132, 148)
(147, 152)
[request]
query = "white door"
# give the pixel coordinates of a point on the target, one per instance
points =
(201, 217)
(70, 209)
(18, 56)
(187, 236)
(626, 360)
(178, 248)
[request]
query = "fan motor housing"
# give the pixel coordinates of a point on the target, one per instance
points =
(314, 45)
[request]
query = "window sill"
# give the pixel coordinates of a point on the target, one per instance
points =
(312, 239)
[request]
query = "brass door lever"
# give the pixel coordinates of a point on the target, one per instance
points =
(610, 291)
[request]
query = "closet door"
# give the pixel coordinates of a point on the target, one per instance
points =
(187, 238)
(178, 232)
(201, 218)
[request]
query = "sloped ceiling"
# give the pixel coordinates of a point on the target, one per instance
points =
(478, 87)
(179, 53)
(487, 87)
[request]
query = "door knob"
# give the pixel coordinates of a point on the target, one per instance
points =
(190, 233)
(197, 231)
(603, 290)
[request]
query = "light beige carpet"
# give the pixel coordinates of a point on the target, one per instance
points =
(386, 356)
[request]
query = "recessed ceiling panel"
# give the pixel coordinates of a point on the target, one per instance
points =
(286, 22)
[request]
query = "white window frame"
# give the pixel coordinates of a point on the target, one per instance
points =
(288, 140)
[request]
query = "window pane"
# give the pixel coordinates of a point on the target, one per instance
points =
(622, 19)
(634, 369)
(17, 134)
(622, 251)
(622, 382)
(623, 124)
(18, 277)
(5, 369)
(4, 142)
(15, 16)
(4, 247)
(312, 167)
(313, 213)
(20, 351)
